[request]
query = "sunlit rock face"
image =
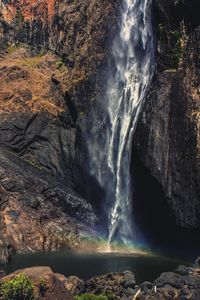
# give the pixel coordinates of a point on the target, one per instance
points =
(28, 9)
(79, 31)
(51, 53)
(167, 138)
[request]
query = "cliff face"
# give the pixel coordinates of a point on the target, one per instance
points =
(79, 32)
(51, 53)
(167, 138)
(51, 58)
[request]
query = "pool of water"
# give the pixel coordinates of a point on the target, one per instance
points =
(85, 266)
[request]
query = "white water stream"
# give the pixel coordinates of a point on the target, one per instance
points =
(110, 149)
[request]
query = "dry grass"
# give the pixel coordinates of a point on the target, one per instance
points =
(15, 88)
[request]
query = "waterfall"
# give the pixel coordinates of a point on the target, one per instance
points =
(110, 140)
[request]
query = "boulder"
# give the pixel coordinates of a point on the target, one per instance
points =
(73, 284)
(54, 288)
(120, 284)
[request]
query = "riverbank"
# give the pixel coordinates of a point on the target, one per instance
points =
(183, 283)
(146, 267)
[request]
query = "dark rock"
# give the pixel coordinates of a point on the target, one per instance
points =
(6, 253)
(129, 280)
(73, 284)
(169, 286)
(2, 274)
(197, 262)
(116, 283)
(146, 286)
(129, 292)
(29, 221)
(167, 136)
(183, 270)
(171, 279)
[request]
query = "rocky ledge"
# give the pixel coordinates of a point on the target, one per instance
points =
(183, 283)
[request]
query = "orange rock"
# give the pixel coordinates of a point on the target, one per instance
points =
(29, 9)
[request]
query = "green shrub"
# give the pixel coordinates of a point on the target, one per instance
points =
(19, 288)
(42, 287)
(110, 295)
(59, 64)
(91, 297)
(19, 18)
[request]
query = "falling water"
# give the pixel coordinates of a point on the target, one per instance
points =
(110, 142)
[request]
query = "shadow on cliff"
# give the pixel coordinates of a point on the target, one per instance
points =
(87, 185)
(189, 11)
(155, 219)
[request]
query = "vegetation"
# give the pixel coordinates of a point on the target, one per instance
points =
(59, 64)
(19, 288)
(19, 18)
(42, 287)
(107, 296)
(33, 61)
(177, 39)
(91, 297)
(10, 49)
(110, 295)
(177, 50)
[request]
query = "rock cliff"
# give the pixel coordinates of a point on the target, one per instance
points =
(51, 53)
(51, 61)
(167, 138)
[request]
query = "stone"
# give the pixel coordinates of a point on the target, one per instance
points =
(197, 262)
(2, 274)
(26, 228)
(116, 283)
(73, 284)
(55, 288)
(183, 270)
(6, 252)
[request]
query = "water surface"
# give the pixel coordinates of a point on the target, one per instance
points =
(85, 266)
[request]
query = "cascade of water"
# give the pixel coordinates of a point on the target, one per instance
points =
(110, 154)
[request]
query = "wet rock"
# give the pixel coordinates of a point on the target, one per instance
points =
(6, 253)
(167, 137)
(2, 274)
(145, 286)
(129, 292)
(197, 262)
(184, 283)
(183, 270)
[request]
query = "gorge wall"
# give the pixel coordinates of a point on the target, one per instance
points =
(167, 137)
(52, 66)
(51, 52)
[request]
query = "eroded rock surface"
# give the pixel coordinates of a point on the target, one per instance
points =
(29, 220)
(119, 284)
(51, 52)
(167, 138)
